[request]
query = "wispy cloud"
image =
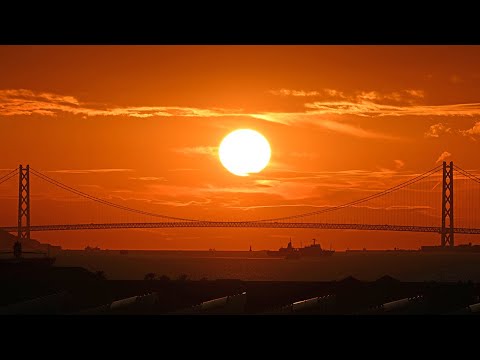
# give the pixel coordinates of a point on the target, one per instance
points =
(316, 119)
(443, 156)
(198, 150)
(436, 130)
(362, 103)
(183, 203)
(85, 171)
(373, 109)
(376, 104)
(399, 164)
(352, 130)
(475, 130)
(298, 93)
(182, 169)
(408, 95)
(320, 113)
(440, 129)
(148, 178)
(27, 102)
(380, 173)
(303, 205)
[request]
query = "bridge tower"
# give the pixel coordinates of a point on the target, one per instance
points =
(447, 205)
(23, 208)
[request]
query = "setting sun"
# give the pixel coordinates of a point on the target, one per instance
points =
(244, 151)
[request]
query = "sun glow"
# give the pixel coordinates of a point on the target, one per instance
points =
(244, 151)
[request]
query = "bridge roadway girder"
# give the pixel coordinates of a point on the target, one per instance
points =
(242, 224)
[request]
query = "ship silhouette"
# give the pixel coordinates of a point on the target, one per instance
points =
(313, 250)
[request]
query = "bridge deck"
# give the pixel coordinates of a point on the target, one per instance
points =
(242, 224)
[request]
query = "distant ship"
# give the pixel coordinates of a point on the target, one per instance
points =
(96, 248)
(314, 250)
(289, 252)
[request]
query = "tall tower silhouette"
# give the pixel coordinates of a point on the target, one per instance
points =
(23, 208)
(447, 205)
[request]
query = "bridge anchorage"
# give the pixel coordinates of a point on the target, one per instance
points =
(411, 206)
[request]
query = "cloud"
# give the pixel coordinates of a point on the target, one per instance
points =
(375, 104)
(475, 130)
(182, 169)
(353, 173)
(301, 93)
(373, 109)
(416, 93)
(334, 93)
(315, 119)
(438, 129)
(30, 95)
(183, 203)
(348, 129)
(443, 156)
(27, 102)
(148, 178)
(399, 164)
(84, 171)
(408, 95)
(198, 150)
(265, 183)
(317, 113)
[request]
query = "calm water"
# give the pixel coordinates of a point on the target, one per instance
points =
(258, 266)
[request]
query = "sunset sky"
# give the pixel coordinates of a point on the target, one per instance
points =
(141, 125)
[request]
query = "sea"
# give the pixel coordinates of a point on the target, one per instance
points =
(258, 266)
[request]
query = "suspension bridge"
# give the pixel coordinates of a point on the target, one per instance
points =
(423, 203)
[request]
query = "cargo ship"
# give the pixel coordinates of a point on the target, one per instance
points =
(314, 250)
(288, 252)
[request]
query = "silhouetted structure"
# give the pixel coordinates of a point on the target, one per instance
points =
(314, 250)
(225, 305)
(317, 305)
(17, 249)
(150, 276)
(446, 228)
(134, 304)
(447, 205)
(397, 306)
(52, 304)
(23, 228)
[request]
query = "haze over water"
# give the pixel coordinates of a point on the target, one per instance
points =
(258, 266)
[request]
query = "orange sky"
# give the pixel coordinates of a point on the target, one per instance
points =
(140, 125)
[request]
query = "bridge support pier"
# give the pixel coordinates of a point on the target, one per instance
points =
(23, 208)
(447, 206)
